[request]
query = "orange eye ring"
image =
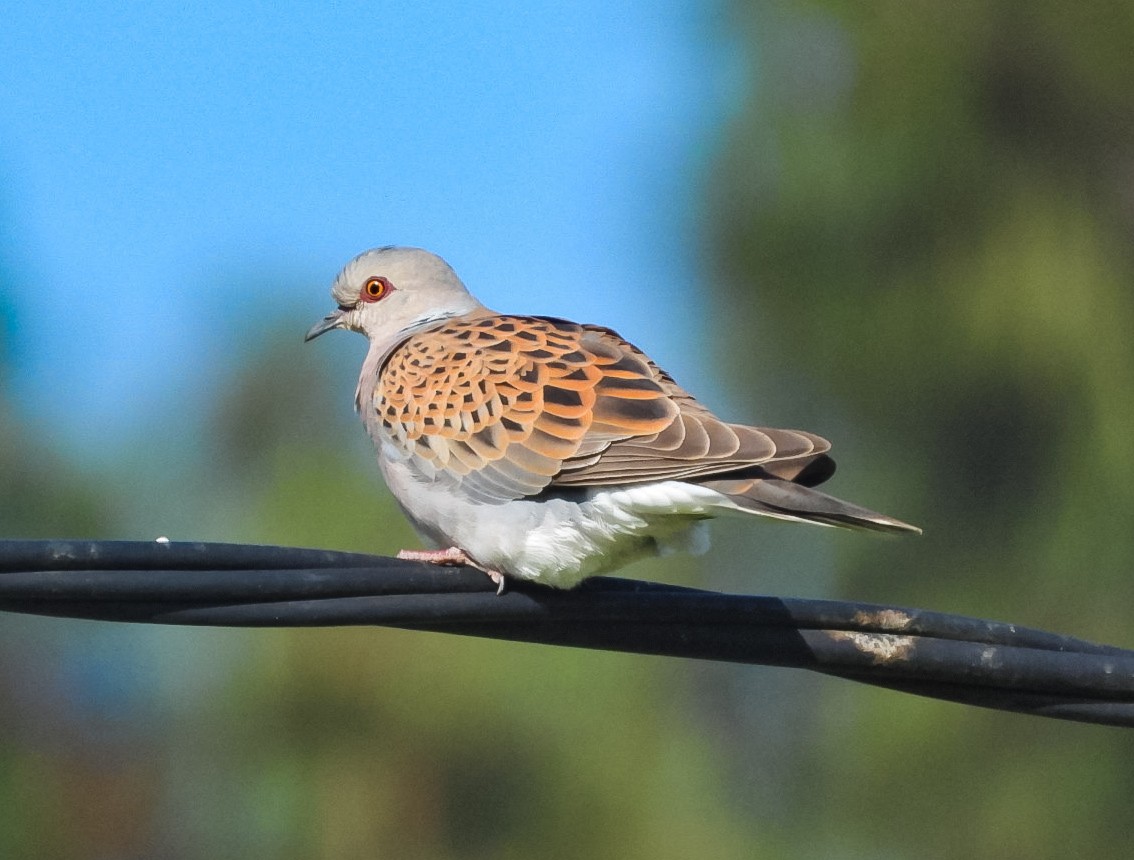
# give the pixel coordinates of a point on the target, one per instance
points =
(374, 289)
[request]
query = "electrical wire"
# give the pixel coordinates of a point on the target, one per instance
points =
(968, 660)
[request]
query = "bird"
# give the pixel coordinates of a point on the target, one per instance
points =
(535, 448)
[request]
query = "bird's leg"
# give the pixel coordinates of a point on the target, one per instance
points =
(451, 556)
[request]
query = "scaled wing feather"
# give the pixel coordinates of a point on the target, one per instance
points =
(508, 406)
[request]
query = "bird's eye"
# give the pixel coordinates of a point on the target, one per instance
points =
(375, 289)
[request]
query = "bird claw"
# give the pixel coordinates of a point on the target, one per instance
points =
(451, 557)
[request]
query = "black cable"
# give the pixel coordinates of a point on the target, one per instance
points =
(961, 659)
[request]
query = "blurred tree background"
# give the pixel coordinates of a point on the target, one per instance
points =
(924, 214)
(917, 237)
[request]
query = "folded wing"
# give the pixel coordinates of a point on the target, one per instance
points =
(506, 407)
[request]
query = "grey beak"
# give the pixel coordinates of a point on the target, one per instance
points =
(330, 321)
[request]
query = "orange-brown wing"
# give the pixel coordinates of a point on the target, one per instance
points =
(499, 404)
(506, 406)
(695, 443)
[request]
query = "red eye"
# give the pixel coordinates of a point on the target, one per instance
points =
(375, 289)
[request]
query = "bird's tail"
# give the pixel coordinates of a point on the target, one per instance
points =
(771, 497)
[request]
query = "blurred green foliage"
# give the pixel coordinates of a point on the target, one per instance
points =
(920, 233)
(926, 212)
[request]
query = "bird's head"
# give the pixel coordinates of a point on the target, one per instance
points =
(388, 293)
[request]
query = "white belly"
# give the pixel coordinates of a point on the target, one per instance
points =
(559, 541)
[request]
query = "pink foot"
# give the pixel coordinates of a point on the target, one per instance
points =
(451, 556)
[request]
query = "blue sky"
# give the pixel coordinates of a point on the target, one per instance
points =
(160, 161)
